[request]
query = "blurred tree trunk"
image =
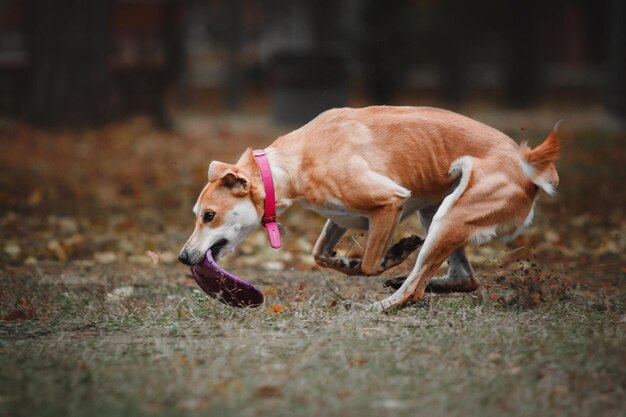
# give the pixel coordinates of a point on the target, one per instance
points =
(524, 62)
(455, 40)
(308, 73)
(69, 43)
(616, 100)
(234, 76)
(384, 51)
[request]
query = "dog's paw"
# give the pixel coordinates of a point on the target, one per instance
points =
(401, 250)
(446, 284)
(345, 264)
(394, 283)
(439, 285)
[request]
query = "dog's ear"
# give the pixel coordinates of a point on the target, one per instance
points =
(230, 176)
(236, 182)
(217, 170)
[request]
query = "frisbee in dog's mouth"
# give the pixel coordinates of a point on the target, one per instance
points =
(217, 248)
(224, 286)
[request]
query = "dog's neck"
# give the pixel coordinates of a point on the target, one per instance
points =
(285, 169)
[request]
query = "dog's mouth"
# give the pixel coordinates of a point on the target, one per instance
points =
(219, 245)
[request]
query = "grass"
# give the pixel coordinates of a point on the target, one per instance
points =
(89, 326)
(170, 351)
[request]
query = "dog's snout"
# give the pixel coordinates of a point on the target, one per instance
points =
(183, 257)
(190, 256)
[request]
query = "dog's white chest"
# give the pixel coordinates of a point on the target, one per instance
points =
(339, 214)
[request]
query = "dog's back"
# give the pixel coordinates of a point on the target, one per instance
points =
(416, 146)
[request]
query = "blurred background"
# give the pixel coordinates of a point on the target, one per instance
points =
(111, 111)
(72, 63)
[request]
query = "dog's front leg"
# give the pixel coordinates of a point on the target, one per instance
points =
(325, 246)
(382, 224)
(325, 255)
(352, 266)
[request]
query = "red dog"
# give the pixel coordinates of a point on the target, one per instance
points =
(369, 169)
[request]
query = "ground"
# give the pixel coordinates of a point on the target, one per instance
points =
(98, 318)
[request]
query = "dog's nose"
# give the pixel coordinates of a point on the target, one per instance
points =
(183, 257)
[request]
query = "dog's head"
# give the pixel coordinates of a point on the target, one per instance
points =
(229, 208)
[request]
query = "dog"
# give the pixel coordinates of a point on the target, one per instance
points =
(369, 169)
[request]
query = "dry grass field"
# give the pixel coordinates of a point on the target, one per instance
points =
(91, 324)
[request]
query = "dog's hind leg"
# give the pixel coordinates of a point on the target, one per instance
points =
(476, 209)
(442, 240)
(460, 276)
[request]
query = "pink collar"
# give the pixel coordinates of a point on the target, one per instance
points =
(269, 216)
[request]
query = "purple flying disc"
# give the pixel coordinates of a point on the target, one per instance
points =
(224, 286)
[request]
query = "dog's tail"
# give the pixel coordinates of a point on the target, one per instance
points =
(538, 163)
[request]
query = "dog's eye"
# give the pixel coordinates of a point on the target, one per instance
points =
(208, 216)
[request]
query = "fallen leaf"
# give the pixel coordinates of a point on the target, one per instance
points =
(151, 407)
(182, 358)
(227, 386)
(514, 370)
(342, 394)
(67, 225)
(551, 236)
(121, 293)
(535, 299)
(35, 198)
(369, 331)
(182, 311)
(193, 404)
(269, 290)
(58, 250)
(357, 363)
(275, 309)
(73, 241)
(391, 404)
(154, 256)
(274, 265)
(105, 257)
(12, 249)
(559, 390)
(580, 220)
(269, 391)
